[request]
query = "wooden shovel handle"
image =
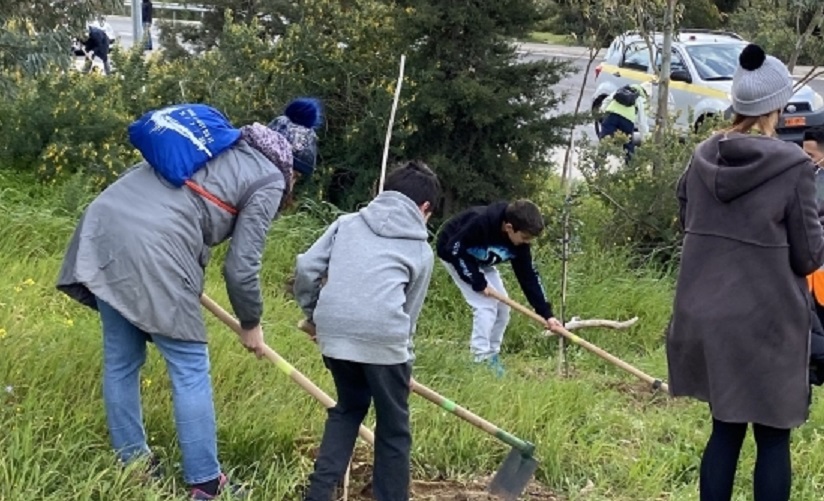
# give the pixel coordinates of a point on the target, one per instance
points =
(281, 364)
(450, 406)
(526, 448)
(656, 383)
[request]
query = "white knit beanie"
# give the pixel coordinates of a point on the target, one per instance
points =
(761, 83)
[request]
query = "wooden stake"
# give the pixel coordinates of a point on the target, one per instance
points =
(391, 122)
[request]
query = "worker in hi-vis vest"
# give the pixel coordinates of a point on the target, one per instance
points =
(623, 110)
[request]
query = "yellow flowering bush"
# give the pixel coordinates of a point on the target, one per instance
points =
(67, 122)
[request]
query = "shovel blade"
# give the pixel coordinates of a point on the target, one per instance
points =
(513, 476)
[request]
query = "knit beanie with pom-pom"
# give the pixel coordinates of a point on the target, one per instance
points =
(761, 84)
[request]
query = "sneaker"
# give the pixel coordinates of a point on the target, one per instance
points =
(150, 470)
(496, 365)
(155, 471)
(224, 486)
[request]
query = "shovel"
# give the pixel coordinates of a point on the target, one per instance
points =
(656, 383)
(304, 382)
(515, 472)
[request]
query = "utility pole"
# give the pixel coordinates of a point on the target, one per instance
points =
(137, 22)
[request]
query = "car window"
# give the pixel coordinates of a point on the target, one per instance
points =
(636, 57)
(676, 64)
(715, 61)
(615, 52)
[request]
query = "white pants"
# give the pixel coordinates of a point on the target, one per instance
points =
(490, 316)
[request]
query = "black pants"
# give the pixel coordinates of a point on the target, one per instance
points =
(357, 384)
(614, 123)
(773, 473)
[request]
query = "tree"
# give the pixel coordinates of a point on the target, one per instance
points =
(476, 113)
(37, 34)
(662, 115)
(815, 12)
(785, 30)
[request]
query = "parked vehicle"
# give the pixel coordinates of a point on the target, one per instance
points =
(702, 67)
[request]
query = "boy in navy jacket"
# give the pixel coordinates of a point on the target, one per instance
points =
(470, 244)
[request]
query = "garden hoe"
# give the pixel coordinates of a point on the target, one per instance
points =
(304, 382)
(656, 383)
(517, 470)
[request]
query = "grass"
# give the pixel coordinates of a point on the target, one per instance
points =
(550, 38)
(600, 435)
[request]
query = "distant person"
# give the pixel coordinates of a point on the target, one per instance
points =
(97, 44)
(146, 16)
(813, 144)
(623, 110)
(739, 337)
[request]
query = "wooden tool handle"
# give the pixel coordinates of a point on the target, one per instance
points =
(525, 447)
(281, 363)
(656, 383)
(452, 407)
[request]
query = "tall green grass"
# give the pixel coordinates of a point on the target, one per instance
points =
(600, 434)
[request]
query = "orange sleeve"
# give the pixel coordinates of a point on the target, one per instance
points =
(815, 281)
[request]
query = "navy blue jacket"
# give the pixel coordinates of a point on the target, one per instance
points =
(474, 238)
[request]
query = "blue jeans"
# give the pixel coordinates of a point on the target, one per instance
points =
(124, 353)
(614, 123)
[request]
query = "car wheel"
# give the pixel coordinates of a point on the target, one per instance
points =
(700, 123)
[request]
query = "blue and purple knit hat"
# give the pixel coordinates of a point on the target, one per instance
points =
(298, 123)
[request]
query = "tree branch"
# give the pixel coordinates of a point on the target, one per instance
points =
(577, 323)
(622, 209)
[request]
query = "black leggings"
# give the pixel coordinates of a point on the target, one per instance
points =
(773, 474)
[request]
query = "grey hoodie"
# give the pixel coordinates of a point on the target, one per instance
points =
(378, 265)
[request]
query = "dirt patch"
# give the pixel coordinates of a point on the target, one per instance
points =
(641, 393)
(434, 489)
(473, 491)
(360, 488)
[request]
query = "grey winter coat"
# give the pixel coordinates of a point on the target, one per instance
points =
(142, 244)
(740, 331)
(378, 265)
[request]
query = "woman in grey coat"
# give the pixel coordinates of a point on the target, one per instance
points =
(138, 257)
(740, 332)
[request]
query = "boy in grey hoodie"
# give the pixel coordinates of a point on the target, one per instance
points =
(377, 265)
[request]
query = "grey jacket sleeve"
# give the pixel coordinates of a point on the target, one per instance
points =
(242, 266)
(417, 288)
(311, 268)
(804, 232)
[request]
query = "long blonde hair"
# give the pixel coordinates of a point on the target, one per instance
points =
(765, 124)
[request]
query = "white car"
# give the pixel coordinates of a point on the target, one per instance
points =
(703, 64)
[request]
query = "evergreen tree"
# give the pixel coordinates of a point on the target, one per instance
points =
(479, 116)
